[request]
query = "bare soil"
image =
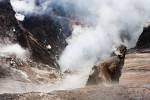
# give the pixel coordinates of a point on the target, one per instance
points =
(134, 85)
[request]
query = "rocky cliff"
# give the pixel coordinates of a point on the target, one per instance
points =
(42, 35)
(42, 39)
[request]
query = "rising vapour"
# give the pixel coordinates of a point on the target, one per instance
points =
(11, 50)
(109, 21)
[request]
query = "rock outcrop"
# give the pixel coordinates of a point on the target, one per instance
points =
(144, 39)
(43, 35)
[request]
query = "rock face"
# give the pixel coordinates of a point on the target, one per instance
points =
(144, 39)
(46, 32)
(43, 35)
(7, 22)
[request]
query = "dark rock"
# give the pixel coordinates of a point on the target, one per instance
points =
(36, 33)
(7, 22)
(4, 72)
(48, 32)
(144, 39)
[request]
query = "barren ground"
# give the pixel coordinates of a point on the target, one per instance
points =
(134, 85)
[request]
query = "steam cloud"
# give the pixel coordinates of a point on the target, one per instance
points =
(109, 21)
(13, 50)
(39, 7)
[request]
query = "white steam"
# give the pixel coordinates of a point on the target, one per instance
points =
(84, 48)
(13, 50)
(109, 21)
(24, 5)
(32, 6)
